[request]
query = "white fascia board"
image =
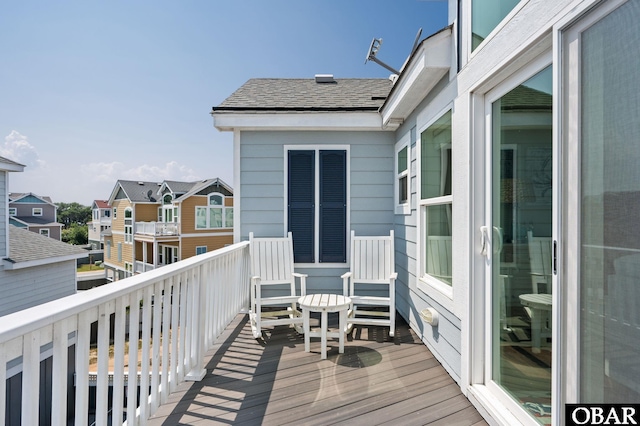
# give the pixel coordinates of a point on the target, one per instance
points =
(430, 63)
(31, 263)
(11, 167)
(356, 121)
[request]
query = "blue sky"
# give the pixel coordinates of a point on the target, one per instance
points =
(93, 92)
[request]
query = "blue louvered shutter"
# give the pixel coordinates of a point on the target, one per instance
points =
(301, 207)
(333, 206)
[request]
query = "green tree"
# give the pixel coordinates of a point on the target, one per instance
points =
(73, 213)
(75, 234)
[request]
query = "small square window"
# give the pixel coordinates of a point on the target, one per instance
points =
(36, 211)
(201, 250)
(13, 211)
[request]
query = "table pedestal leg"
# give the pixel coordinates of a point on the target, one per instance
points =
(307, 329)
(536, 324)
(323, 334)
(341, 329)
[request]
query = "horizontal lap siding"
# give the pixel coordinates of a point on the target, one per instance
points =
(28, 287)
(262, 187)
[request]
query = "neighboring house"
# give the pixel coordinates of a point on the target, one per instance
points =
(504, 156)
(33, 269)
(35, 213)
(100, 223)
(156, 224)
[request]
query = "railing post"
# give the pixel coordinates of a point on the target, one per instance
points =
(198, 371)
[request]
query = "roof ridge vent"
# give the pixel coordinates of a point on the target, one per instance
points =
(324, 78)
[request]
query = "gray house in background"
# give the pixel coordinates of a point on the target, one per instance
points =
(36, 213)
(34, 269)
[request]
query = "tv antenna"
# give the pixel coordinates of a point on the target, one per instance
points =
(375, 47)
(371, 55)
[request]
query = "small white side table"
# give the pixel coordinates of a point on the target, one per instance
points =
(540, 305)
(324, 303)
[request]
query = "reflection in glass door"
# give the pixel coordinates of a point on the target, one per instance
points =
(521, 213)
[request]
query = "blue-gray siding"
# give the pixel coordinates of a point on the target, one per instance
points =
(23, 288)
(262, 186)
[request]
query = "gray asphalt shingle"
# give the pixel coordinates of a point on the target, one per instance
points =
(285, 94)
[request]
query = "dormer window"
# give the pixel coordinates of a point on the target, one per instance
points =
(215, 215)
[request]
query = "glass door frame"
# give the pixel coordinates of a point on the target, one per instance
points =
(488, 244)
(568, 38)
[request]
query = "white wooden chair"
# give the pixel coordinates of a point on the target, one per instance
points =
(540, 262)
(372, 266)
(273, 284)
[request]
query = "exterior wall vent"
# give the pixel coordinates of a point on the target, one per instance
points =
(324, 78)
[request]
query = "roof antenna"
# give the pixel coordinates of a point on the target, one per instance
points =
(371, 55)
(416, 41)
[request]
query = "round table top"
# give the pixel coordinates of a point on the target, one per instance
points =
(539, 301)
(324, 302)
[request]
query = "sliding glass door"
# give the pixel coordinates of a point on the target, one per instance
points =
(520, 187)
(602, 100)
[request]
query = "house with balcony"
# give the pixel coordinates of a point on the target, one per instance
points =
(156, 224)
(35, 213)
(100, 223)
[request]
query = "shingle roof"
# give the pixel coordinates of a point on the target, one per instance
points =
(17, 196)
(179, 187)
(25, 246)
(287, 95)
(137, 190)
(102, 204)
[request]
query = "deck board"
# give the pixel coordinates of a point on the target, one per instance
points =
(272, 381)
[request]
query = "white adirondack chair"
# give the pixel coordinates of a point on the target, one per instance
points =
(372, 266)
(540, 261)
(273, 284)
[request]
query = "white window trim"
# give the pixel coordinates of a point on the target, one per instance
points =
(128, 237)
(37, 211)
(45, 232)
(434, 288)
(13, 211)
(316, 249)
(200, 248)
(402, 208)
(224, 208)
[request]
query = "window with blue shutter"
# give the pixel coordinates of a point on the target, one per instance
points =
(318, 221)
(301, 204)
(333, 206)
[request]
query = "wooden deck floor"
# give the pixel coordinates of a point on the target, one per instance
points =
(378, 380)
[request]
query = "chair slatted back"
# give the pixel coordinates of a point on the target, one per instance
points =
(372, 258)
(540, 254)
(272, 259)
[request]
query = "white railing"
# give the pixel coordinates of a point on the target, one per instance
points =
(157, 228)
(172, 314)
(141, 267)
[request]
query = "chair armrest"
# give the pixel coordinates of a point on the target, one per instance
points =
(303, 282)
(393, 276)
(346, 275)
(256, 278)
